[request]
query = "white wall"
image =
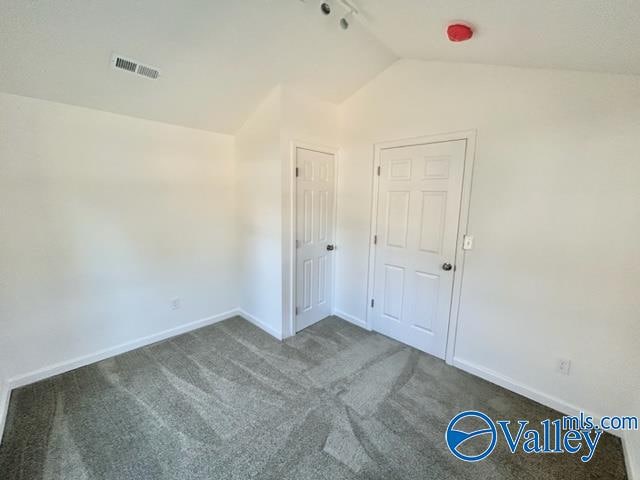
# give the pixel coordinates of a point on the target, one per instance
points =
(104, 220)
(107, 218)
(555, 211)
(264, 175)
(259, 200)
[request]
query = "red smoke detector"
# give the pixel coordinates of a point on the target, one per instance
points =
(458, 32)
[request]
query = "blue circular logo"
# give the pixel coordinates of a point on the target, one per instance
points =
(457, 438)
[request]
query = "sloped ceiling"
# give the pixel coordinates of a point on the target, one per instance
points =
(591, 35)
(217, 58)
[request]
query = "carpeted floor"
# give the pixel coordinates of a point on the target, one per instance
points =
(230, 402)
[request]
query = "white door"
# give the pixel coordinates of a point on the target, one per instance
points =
(420, 191)
(314, 236)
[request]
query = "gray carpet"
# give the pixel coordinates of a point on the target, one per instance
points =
(230, 402)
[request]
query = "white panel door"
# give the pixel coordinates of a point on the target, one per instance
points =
(314, 236)
(420, 191)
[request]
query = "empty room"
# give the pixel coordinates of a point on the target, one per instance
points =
(341, 240)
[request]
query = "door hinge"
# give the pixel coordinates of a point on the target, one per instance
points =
(375, 239)
(373, 302)
(297, 310)
(297, 172)
(378, 170)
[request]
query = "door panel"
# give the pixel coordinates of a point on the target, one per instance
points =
(432, 218)
(307, 284)
(397, 218)
(307, 221)
(425, 300)
(314, 218)
(419, 199)
(393, 292)
(322, 280)
(323, 215)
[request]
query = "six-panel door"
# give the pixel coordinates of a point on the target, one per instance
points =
(419, 199)
(314, 233)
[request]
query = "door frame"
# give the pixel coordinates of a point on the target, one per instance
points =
(289, 329)
(463, 224)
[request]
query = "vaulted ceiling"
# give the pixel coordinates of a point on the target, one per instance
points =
(591, 35)
(219, 58)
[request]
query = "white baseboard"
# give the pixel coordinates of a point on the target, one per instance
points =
(524, 390)
(260, 324)
(72, 364)
(351, 319)
(67, 365)
(631, 447)
(632, 456)
(5, 394)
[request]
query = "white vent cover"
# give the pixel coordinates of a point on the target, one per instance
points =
(126, 64)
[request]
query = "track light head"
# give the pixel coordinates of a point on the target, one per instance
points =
(325, 8)
(344, 21)
(351, 11)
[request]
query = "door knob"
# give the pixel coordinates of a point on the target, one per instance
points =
(447, 266)
(331, 247)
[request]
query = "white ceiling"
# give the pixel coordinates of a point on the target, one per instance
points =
(593, 35)
(219, 58)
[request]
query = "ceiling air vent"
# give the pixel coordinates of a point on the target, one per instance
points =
(126, 64)
(132, 66)
(148, 72)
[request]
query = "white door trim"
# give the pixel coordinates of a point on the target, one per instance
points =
(289, 327)
(463, 223)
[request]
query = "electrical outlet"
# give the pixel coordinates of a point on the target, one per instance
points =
(176, 303)
(564, 366)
